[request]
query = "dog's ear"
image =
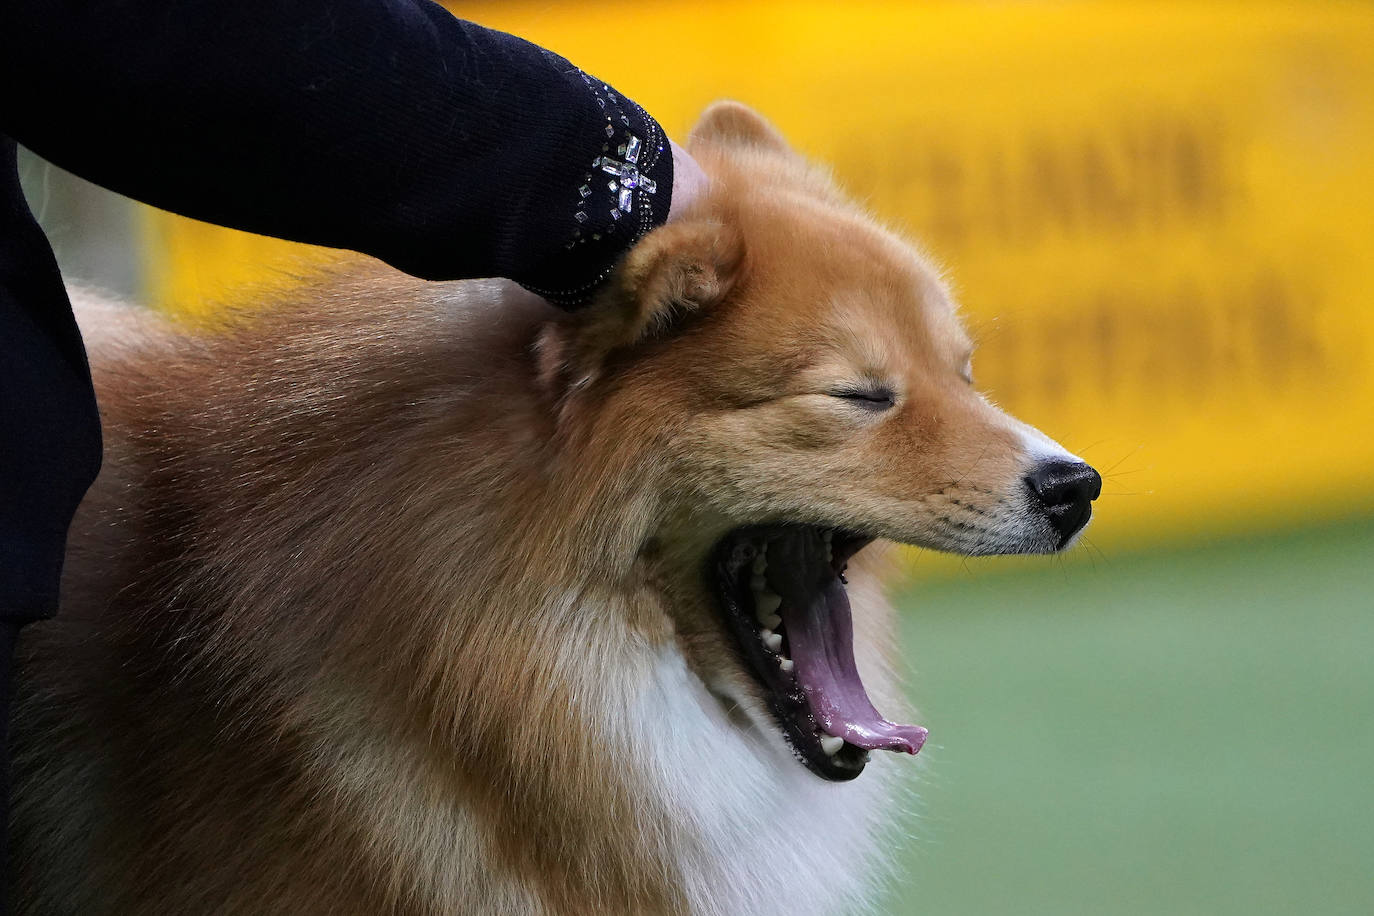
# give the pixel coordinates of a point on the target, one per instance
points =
(735, 125)
(671, 274)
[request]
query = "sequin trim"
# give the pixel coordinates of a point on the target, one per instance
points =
(630, 187)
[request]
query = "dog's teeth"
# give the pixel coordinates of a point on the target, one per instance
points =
(786, 664)
(771, 640)
(831, 745)
(758, 583)
(771, 621)
(827, 535)
(760, 564)
(766, 603)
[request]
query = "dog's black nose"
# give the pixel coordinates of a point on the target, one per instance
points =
(1065, 491)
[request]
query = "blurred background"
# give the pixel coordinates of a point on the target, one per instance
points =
(1159, 218)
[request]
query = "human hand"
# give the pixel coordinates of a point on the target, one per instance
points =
(689, 182)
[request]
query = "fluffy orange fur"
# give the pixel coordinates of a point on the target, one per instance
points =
(385, 588)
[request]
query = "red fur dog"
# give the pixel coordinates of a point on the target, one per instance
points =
(426, 598)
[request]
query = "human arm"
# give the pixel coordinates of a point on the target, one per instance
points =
(384, 126)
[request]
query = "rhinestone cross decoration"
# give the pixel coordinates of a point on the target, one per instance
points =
(627, 174)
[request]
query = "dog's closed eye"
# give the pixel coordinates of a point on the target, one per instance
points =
(874, 397)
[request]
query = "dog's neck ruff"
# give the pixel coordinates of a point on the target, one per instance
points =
(760, 833)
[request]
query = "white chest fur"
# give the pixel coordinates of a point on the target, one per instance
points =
(765, 834)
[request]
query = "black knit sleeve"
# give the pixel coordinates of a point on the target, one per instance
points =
(384, 126)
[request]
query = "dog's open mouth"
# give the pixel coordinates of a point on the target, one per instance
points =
(782, 590)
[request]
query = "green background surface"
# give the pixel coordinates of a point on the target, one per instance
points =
(1180, 732)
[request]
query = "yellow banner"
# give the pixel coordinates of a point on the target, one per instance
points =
(1159, 217)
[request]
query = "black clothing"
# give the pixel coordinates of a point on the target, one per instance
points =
(49, 428)
(384, 126)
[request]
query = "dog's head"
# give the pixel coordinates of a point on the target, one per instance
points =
(799, 384)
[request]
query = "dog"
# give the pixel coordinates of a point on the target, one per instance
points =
(419, 598)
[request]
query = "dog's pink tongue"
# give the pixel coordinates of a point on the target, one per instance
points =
(821, 640)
